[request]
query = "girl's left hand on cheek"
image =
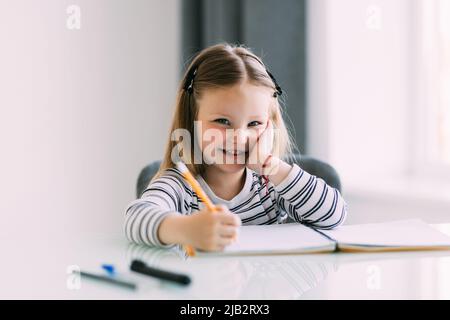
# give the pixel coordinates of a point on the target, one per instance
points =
(262, 149)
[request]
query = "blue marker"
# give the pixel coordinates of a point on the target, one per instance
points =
(109, 268)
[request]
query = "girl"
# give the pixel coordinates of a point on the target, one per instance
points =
(228, 103)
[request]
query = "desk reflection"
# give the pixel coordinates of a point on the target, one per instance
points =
(241, 277)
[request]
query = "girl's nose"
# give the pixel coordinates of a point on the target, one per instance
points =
(241, 137)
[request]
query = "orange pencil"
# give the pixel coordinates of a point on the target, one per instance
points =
(198, 189)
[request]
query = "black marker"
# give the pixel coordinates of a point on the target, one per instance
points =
(141, 267)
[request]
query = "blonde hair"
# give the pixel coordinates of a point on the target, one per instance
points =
(219, 66)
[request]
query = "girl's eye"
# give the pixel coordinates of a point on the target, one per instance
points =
(254, 124)
(222, 121)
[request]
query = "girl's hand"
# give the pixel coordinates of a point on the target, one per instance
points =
(262, 150)
(212, 231)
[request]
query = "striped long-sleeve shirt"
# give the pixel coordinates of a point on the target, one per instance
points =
(307, 199)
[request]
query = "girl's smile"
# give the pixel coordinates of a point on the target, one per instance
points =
(235, 156)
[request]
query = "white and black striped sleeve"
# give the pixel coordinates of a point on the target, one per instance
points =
(309, 200)
(143, 216)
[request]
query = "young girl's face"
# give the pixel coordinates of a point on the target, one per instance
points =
(231, 120)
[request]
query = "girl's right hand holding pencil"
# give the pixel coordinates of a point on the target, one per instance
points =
(205, 230)
(212, 231)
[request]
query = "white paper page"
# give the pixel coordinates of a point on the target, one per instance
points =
(279, 238)
(405, 233)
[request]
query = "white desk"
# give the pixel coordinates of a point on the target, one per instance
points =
(405, 275)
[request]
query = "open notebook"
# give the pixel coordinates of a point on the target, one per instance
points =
(296, 238)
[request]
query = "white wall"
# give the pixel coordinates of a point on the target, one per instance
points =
(82, 110)
(359, 78)
(362, 101)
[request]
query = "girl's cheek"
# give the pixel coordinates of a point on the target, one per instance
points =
(255, 136)
(260, 130)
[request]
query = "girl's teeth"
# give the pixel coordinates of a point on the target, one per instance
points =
(234, 153)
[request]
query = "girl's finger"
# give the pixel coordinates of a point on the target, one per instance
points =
(221, 207)
(230, 219)
(223, 242)
(228, 231)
